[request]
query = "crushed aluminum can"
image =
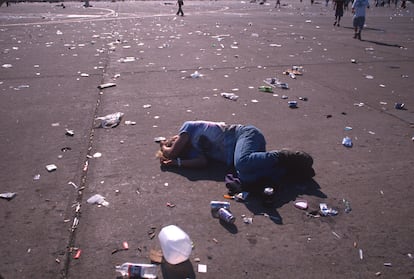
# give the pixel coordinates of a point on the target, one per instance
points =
(293, 104)
(347, 142)
(327, 211)
(225, 215)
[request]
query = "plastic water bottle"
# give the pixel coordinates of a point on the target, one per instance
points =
(176, 245)
(135, 270)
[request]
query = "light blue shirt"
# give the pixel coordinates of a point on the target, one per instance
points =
(359, 7)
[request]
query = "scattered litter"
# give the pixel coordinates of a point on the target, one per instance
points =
(196, 74)
(293, 104)
(125, 245)
(264, 88)
(151, 232)
(69, 133)
(202, 268)
(159, 139)
(137, 270)
(294, 71)
(84, 75)
(337, 235)
(359, 104)
(78, 254)
(230, 96)
(171, 205)
(347, 142)
(353, 61)
(73, 184)
(146, 106)
(110, 120)
(378, 273)
(127, 59)
(400, 106)
(128, 122)
(348, 128)
(369, 77)
(107, 85)
(98, 199)
(361, 254)
(97, 155)
(388, 264)
(51, 167)
(347, 205)
(36, 177)
(327, 211)
(65, 149)
(301, 204)
(7, 195)
(7, 66)
(248, 220)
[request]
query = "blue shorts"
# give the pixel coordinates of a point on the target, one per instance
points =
(359, 22)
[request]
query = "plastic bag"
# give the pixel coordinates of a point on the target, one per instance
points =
(110, 120)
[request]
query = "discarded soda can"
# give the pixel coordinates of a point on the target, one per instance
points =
(293, 104)
(399, 105)
(51, 167)
(8, 195)
(225, 215)
(327, 211)
(136, 270)
(216, 205)
(347, 142)
(268, 196)
(106, 85)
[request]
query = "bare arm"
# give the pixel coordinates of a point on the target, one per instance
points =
(176, 149)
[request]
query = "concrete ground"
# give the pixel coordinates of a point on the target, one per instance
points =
(54, 57)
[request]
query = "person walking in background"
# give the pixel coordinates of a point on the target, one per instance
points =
(277, 4)
(339, 11)
(180, 10)
(358, 9)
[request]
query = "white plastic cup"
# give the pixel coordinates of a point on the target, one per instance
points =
(175, 244)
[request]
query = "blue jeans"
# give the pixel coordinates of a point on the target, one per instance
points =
(251, 160)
